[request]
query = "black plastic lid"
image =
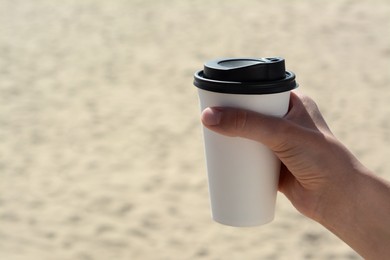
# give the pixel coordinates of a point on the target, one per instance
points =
(245, 76)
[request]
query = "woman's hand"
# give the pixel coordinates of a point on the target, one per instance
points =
(320, 177)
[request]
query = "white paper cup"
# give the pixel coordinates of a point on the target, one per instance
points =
(242, 174)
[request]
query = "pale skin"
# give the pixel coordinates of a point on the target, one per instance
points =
(319, 175)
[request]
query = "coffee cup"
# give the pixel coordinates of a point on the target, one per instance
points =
(243, 174)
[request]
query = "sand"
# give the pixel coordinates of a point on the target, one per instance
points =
(101, 153)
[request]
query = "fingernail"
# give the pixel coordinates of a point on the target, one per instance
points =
(211, 116)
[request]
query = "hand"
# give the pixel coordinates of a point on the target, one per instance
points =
(314, 162)
(321, 178)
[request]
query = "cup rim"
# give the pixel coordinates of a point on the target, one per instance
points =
(250, 88)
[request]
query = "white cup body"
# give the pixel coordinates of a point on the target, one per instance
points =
(243, 175)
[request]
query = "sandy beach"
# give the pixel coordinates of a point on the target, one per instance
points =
(101, 152)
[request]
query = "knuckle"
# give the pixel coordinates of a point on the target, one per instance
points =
(284, 130)
(240, 121)
(286, 136)
(309, 102)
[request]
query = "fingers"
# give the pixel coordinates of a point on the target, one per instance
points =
(268, 130)
(304, 112)
(303, 116)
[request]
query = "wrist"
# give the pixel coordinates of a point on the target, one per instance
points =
(339, 201)
(357, 213)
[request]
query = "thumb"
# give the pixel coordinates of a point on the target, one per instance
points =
(269, 130)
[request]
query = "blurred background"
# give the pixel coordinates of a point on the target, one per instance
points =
(101, 153)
